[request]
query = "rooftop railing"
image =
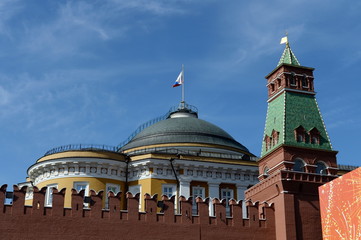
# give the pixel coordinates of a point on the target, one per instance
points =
(81, 147)
(94, 147)
(193, 153)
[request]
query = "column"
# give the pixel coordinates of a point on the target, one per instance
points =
(213, 190)
(240, 196)
(184, 188)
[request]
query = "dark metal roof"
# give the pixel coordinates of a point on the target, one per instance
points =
(184, 130)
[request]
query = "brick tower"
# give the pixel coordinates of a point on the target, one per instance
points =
(297, 155)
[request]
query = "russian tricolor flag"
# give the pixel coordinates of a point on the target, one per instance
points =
(179, 80)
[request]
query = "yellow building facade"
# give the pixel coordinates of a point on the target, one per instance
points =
(178, 155)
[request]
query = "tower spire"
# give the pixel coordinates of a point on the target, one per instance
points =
(288, 57)
(297, 155)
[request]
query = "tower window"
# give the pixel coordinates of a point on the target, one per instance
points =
(293, 79)
(311, 84)
(314, 140)
(321, 168)
(299, 138)
(300, 134)
(304, 81)
(271, 141)
(315, 136)
(299, 166)
(272, 87)
(279, 83)
(275, 136)
(266, 172)
(267, 142)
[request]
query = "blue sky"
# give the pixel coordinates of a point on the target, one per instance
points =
(92, 71)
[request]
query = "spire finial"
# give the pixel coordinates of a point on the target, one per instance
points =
(288, 56)
(284, 40)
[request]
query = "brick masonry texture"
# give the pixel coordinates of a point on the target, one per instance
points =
(18, 221)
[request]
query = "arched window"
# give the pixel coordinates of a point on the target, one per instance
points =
(265, 172)
(299, 166)
(321, 168)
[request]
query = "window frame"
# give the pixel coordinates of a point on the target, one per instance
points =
(194, 188)
(228, 190)
(168, 185)
(133, 192)
(86, 192)
(107, 185)
(49, 194)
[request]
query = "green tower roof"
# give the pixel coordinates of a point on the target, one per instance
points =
(288, 57)
(293, 117)
(289, 111)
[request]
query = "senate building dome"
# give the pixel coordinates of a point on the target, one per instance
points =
(183, 130)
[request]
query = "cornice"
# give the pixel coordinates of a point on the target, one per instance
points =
(194, 158)
(73, 167)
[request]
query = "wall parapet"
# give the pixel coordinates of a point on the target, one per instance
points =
(160, 210)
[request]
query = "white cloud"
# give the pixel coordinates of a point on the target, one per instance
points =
(53, 101)
(8, 9)
(157, 7)
(4, 96)
(78, 24)
(74, 25)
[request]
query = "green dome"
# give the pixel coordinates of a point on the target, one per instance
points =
(185, 128)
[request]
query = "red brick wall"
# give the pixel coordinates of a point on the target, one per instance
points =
(38, 222)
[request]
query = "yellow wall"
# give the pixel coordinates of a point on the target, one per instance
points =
(29, 202)
(157, 186)
(151, 186)
(85, 154)
(95, 184)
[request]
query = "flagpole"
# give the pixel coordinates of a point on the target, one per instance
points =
(183, 102)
